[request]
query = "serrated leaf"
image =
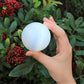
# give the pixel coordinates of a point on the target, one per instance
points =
(52, 44)
(78, 21)
(71, 20)
(21, 16)
(19, 33)
(6, 22)
(37, 4)
(80, 52)
(44, 71)
(21, 69)
(80, 30)
(1, 46)
(13, 26)
(7, 42)
(1, 26)
(72, 41)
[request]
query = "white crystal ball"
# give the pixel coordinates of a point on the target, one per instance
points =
(36, 36)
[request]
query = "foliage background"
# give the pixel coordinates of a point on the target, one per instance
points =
(68, 15)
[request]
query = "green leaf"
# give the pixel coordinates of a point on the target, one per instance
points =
(7, 42)
(56, 3)
(58, 13)
(79, 43)
(1, 46)
(4, 7)
(80, 52)
(6, 22)
(79, 38)
(81, 80)
(16, 40)
(72, 41)
(81, 25)
(21, 16)
(44, 71)
(6, 65)
(25, 3)
(35, 1)
(37, 4)
(1, 26)
(78, 21)
(21, 69)
(80, 30)
(71, 20)
(13, 26)
(12, 45)
(44, 3)
(15, 34)
(66, 21)
(29, 14)
(21, 10)
(65, 27)
(17, 20)
(80, 67)
(30, 1)
(19, 33)
(52, 44)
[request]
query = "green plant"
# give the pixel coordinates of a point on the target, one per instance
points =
(10, 33)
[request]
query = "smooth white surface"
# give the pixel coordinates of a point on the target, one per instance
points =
(36, 36)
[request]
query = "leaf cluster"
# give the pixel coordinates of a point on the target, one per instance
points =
(34, 11)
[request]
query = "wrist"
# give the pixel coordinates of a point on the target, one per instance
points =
(68, 81)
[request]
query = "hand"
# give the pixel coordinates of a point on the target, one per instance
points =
(60, 65)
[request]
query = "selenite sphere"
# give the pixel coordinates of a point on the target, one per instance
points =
(36, 36)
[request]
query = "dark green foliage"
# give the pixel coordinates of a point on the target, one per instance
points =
(31, 71)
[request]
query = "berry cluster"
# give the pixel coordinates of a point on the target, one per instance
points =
(16, 56)
(8, 7)
(4, 36)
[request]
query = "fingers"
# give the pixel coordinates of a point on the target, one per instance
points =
(51, 19)
(50, 23)
(41, 57)
(62, 41)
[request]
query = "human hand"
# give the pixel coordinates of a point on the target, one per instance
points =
(60, 65)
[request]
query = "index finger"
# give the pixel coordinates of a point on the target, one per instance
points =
(63, 45)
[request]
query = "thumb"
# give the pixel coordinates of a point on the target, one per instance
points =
(39, 56)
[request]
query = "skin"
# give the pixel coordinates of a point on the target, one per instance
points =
(60, 65)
